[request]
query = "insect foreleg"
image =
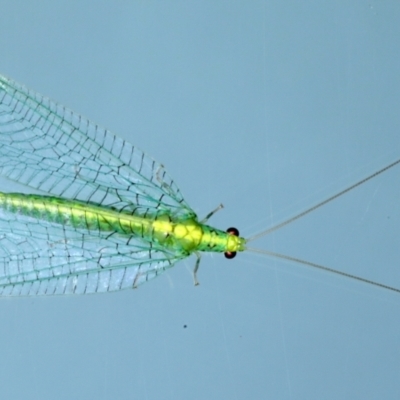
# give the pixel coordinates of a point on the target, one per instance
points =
(210, 214)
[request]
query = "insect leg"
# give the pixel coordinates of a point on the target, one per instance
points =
(210, 214)
(195, 269)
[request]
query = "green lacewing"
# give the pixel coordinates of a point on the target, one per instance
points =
(110, 218)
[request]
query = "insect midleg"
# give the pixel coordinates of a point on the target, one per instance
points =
(196, 267)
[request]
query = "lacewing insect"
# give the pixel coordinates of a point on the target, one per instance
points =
(111, 217)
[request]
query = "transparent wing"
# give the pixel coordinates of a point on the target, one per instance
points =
(41, 258)
(50, 148)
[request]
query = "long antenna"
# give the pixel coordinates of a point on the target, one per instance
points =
(322, 203)
(334, 271)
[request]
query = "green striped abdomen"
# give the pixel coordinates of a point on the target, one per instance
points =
(182, 236)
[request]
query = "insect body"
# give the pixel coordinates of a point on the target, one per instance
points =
(182, 236)
(111, 217)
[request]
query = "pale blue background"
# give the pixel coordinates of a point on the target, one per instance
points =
(267, 107)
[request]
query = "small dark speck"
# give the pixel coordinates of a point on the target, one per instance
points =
(184, 326)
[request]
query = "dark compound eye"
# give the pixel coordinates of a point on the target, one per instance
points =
(230, 254)
(233, 231)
